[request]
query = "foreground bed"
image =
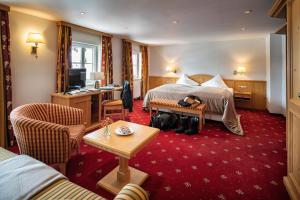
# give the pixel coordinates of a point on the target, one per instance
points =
(60, 189)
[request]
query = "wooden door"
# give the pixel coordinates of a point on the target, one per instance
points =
(292, 180)
(295, 48)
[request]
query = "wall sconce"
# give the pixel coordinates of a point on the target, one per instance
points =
(34, 39)
(240, 70)
(171, 69)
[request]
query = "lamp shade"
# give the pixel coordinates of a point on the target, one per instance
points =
(96, 76)
(241, 70)
(34, 38)
(169, 69)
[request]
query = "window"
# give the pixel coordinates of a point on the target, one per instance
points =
(137, 64)
(85, 56)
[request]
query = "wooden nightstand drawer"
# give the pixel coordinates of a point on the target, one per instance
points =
(243, 96)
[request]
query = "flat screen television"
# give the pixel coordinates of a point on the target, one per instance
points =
(77, 78)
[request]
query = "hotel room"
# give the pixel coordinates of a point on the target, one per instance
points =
(149, 99)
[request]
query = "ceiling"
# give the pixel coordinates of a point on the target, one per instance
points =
(152, 21)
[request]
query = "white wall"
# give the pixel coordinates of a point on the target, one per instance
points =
(268, 65)
(220, 57)
(79, 36)
(117, 62)
(276, 70)
(284, 96)
(33, 80)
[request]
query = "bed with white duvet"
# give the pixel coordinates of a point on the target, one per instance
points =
(214, 93)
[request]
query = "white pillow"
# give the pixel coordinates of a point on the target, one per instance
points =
(216, 81)
(185, 80)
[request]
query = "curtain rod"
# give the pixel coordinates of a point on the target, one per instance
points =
(83, 29)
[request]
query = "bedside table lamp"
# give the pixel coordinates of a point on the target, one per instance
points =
(97, 77)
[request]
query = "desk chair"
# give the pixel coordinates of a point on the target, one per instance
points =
(118, 107)
(113, 108)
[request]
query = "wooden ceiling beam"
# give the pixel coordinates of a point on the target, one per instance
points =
(278, 9)
(282, 30)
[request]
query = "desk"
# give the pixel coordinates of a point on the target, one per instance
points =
(90, 102)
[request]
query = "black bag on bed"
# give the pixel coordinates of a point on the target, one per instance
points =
(164, 121)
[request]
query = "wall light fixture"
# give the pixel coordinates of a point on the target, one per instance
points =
(240, 70)
(35, 39)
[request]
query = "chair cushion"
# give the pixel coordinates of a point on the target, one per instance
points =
(76, 134)
(114, 103)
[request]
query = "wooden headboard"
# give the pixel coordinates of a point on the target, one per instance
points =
(201, 78)
(257, 88)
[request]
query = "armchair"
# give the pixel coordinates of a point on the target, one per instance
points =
(48, 132)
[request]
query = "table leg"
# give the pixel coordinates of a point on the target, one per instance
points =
(123, 174)
(115, 180)
(200, 121)
(112, 95)
(100, 107)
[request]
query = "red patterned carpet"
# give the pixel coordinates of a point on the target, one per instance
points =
(212, 165)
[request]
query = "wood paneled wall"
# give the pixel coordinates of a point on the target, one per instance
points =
(257, 88)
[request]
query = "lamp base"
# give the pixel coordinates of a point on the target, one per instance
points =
(97, 84)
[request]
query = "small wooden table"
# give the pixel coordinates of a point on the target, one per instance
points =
(125, 147)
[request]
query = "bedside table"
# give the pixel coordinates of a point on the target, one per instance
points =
(242, 96)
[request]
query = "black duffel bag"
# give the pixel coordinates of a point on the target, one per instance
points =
(164, 121)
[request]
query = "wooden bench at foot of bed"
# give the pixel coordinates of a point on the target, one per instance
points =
(156, 104)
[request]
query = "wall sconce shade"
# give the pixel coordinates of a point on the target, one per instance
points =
(34, 39)
(240, 70)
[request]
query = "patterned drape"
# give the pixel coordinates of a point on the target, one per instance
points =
(127, 66)
(64, 59)
(145, 72)
(6, 105)
(107, 62)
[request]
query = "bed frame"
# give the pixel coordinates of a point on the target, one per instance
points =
(201, 78)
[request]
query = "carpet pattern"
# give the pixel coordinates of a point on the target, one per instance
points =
(214, 164)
